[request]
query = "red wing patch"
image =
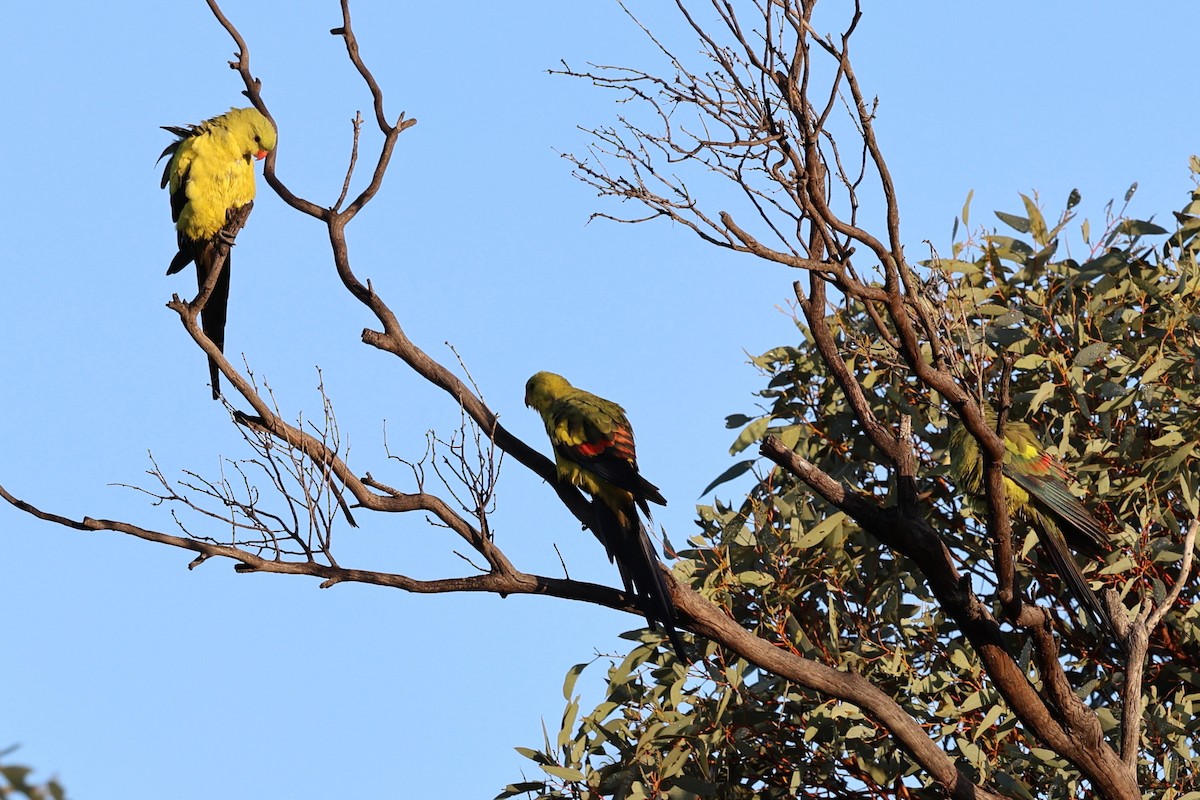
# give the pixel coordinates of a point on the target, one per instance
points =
(1047, 465)
(622, 441)
(621, 445)
(591, 449)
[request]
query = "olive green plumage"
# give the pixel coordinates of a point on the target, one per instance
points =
(1036, 490)
(210, 175)
(594, 450)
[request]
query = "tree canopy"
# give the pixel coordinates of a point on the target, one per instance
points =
(1103, 360)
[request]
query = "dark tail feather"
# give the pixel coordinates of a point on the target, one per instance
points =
(345, 507)
(1055, 549)
(661, 593)
(628, 545)
(181, 259)
(213, 315)
(1083, 532)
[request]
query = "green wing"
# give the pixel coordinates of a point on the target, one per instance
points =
(595, 435)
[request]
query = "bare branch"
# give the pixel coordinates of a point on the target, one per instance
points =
(357, 123)
(1137, 637)
(347, 34)
(503, 583)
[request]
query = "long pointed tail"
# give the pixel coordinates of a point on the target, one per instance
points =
(628, 545)
(1054, 546)
(215, 311)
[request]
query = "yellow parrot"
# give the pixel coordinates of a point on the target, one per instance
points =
(594, 450)
(211, 177)
(1035, 486)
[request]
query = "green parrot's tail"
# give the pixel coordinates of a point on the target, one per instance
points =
(1054, 546)
(1084, 533)
(628, 545)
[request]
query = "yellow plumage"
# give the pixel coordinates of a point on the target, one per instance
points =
(211, 179)
(1036, 491)
(593, 444)
(594, 450)
(213, 163)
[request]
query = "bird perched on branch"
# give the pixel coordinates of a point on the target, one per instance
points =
(1036, 491)
(211, 179)
(594, 450)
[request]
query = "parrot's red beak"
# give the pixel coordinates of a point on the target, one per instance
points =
(260, 155)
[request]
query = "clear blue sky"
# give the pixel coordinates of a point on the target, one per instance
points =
(127, 675)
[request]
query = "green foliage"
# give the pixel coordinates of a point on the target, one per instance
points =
(1104, 351)
(15, 782)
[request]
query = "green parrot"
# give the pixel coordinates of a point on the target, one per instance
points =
(1036, 489)
(211, 176)
(594, 450)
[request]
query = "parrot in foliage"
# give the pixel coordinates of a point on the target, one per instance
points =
(211, 178)
(594, 450)
(1035, 486)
